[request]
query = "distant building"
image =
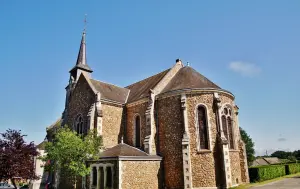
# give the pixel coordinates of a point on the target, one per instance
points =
(180, 130)
(39, 169)
(266, 161)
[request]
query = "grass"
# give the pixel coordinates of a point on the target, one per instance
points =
(245, 186)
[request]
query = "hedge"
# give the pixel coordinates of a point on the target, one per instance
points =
(292, 168)
(262, 173)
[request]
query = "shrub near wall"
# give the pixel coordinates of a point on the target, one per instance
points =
(262, 173)
(292, 168)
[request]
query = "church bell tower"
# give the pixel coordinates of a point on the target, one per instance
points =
(81, 66)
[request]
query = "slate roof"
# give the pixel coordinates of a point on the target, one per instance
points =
(111, 92)
(259, 162)
(141, 89)
(188, 78)
(185, 78)
(82, 66)
(122, 150)
(272, 160)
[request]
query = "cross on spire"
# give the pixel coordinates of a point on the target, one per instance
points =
(85, 22)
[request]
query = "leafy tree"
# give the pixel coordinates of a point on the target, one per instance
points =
(70, 152)
(297, 154)
(292, 158)
(249, 146)
(281, 154)
(16, 157)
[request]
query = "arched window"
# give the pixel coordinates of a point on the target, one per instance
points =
(79, 126)
(228, 126)
(202, 128)
(137, 131)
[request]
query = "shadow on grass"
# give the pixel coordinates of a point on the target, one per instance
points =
(297, 177)
(294, 176)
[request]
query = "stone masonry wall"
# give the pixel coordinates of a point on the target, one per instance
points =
(170, 121)
(81, 100)
(235, 167)
(140, 174)
(132, 111)
(112, 125)
(236, 170)
(203, 163)
(243, 162)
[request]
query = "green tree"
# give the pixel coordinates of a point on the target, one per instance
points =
(296, 153)
(70, 151)
(281, 154)
(249, 145)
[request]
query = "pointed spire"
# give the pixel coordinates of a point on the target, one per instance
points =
(81, 59)
(81, 63)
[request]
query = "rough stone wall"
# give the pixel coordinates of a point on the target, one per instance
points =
(203, 163)
(140, 174)
(170, 121)
(131, 112)
(235, 168)
(81, 100)
(112, 126)
(238, 170)
(243, 163)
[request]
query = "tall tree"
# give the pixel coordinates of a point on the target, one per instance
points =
(70, 152)
(16, 157)
(249, 145)
(282, 154)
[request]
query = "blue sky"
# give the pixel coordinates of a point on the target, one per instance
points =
(250, 48)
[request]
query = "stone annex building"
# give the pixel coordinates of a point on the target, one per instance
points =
(173, 130)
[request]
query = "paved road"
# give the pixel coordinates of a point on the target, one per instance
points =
(288, 183)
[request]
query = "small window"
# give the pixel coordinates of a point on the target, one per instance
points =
(137, 131)
(224, 126)
(230, 133)
(227, 124)
(79, 125)
(202, 127)
(94, 180)
(109, 177)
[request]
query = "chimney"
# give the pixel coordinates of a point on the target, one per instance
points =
(178, 61)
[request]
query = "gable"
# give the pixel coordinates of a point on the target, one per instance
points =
(81, 100)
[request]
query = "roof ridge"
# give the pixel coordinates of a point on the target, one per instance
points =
(147, 78)
(108, 83)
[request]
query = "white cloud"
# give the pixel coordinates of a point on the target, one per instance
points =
(244, 68)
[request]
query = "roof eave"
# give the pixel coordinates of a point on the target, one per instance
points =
(130, 158)
(190, 90)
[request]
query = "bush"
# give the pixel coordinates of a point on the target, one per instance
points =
(292, 168)
(262, 173)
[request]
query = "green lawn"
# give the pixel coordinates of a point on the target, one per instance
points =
(265, 182)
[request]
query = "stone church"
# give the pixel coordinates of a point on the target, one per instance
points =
(173, 130)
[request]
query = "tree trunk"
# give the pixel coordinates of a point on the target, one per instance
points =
(75, 182)
(14, 183)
